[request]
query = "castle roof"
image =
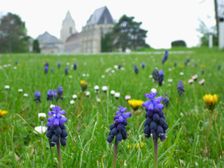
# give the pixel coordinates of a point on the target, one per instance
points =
(100, 16)
(47, 38)
(73, 37)
(68, 18)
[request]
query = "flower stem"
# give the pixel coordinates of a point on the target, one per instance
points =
(210, 122)
(59, 155)
(155, 140)
(115, 155)
(79, 110)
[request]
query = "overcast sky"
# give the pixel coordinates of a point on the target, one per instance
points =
(165, 20)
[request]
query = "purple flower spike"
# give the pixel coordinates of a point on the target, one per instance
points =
(56, 131)
(51, 94)
(60, 93)
(117, 129)
(155, 124)
(37, 97)
(165, 57)
(180, 88)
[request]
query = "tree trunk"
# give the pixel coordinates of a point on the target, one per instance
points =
(216, 16)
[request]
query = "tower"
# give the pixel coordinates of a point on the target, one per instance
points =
(68, 27)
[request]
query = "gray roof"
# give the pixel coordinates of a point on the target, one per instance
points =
(100, 16)
(72, 37)
(47, 38)
(68, 18)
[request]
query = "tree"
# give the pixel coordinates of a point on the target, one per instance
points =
(13, 34)
(178, 43)
(126, 34)
(107, 42)
(36, 47)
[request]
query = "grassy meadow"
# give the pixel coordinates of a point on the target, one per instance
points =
(190, 142)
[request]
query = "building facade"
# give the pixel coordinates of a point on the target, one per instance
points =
(50, 44)
(86, 41)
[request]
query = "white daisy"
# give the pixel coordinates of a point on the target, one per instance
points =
(42, 116)
(7, 87)
(72, 102)
(104, 88)
(40, 129)
(117, 95)
(127, 97)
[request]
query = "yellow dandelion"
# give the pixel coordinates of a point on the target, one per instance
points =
(83, 85)
(135, 104)
(3, 113)
(210, 100)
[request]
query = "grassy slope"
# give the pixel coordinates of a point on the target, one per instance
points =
(187, 144)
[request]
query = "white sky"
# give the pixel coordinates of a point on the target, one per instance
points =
(165, 20)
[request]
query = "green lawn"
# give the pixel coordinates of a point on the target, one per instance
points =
(188, 143)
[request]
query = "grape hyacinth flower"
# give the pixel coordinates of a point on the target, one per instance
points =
(46, 64)
(136, 70)
(56, 130)
(74, 66)
(37, 97)
(60, 93)
(118, 130)
(158, 76)
(66, 70)
(155, 124)
(143, 65)
(59, 65)
(46, 68)
(165, 101)
(161, 77)
(180, 88)
(51, 94)
(165, 57)
(155, 74)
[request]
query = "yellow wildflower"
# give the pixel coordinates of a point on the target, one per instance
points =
(135, 104)
(83, 85)
(210, 100)
(3, 113)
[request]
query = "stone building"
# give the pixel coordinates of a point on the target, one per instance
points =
(89, 39)
(68, 27)
(49, 44)
(86, 41)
